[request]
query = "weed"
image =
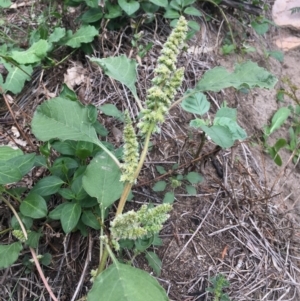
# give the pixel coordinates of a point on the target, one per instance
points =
(219, 282)
(88, 174)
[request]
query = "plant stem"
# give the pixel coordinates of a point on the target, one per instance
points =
(200, 146)
(102, 262)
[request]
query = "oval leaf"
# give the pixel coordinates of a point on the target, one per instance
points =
(123, 282)
(70, 215)
(47, 186)
(34, 206)
(102, 180)
(196, 104)
(9, 254)
(220, 135)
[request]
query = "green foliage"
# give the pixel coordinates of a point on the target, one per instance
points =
(123, 282)
(219, 282)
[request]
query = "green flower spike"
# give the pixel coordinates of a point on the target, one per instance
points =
(144, 222)
(167, 79)
(130, 152)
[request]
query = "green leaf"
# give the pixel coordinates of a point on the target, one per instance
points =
(34, 206)
(91, 3)
(68, 93)
(121, 69)
(220, 135)
(85, 34)
(9, 254)
(260, 27)
(34, 54)
(33, 239)
(247, 74)
(197, 123)
(84, 149)
(278, 120)
(17, 75)
(47, 186)
(56, 35)
(123, 282)
(194, 25)
(192, 11)
(129, 6)
(65, 147)
(171, 14)
(114, 11)
(66, 193)
(191, 190)
(112, 110)
(66, 120)
(92, 15)
(7, 152)
(9, 174)
(70, 215)
(169, 198)
(236, 131)
(154, 262)
(46, 259)
(159, 186)
(161, 3)
(24, 163)
(5, 3)
(160, 170)
(278, 55)
(102, 180)
(55, 214)
(194, 177)
(89, 219)
(227, 112)
(196, 103)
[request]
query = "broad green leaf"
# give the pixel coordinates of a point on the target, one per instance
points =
(171, 14)
(102, 180)
(70, 215)
(187, 2)
(260, 27)
(169, 198)
(161, 3)
(66, 193)
(227, 112)
(236, 131)
(34, 206)
(159, 186)
(27, 221)
(7, 152)
(112, 110)
(91, 3)
(278, 55)
(121, 69)
(192, 11)
(280, 143)
(247, 74)
(194, 25)
(34, 54)
(5, 3)
(84, 149)
(89, 219)
(92, 15)
(196, 103)
(129, 6)
(47, 186)
(63, 166)
(123, 282)
(9, 174)
(114, 11)
(24, 163)
(154, 262)
(197, 123)
(17, 75)
(9, 254)
(278, 119)
(160, 170)
(65, 147)
(68, 93)
(46, 259)
(191, 190)
(194, 177)
(57, 34)
(220, 135)
(56, 212)
(63, 119)
(33, 239)
(85, 34)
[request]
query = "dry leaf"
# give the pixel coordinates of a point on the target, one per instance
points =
(75, 76)
(15, 131)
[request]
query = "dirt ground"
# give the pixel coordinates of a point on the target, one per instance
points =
(244, 221)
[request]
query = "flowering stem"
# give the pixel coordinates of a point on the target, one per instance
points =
(128, 185)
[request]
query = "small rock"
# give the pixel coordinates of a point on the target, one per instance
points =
(282, 15)
(287, 43)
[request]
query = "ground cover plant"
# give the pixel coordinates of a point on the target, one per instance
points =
(88, 180)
